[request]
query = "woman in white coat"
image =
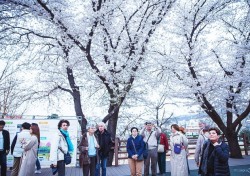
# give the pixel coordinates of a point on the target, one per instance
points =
(29, 157)
(178, 161)
(59, 146)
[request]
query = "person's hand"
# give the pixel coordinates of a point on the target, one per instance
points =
(54, 165)
(86, 148)
(97, 146)
(198, 164)
(7, 152)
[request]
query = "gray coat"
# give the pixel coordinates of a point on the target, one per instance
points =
(29, 157)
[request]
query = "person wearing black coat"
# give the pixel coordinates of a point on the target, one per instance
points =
(105, 143)
(4, 147)
(215, 155)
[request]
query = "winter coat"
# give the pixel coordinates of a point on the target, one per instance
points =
(199, 145)
(55, 153)
(6, 140)
(84, 157)
(215, 158)
(24, 136)
(178, 161)
(105, 142)
(29, 157)
(164, 141)
(137, 147)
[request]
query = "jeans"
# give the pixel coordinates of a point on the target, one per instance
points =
(38, 165)
(102, 163)
(3, 163)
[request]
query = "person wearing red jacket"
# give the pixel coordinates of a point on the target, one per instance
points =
(162, 156)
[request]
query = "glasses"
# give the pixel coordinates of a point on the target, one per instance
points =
(64, 125)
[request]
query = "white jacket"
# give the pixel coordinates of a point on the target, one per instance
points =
(23, 135)
(55, 153)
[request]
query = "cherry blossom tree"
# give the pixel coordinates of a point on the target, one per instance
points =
(210, 58)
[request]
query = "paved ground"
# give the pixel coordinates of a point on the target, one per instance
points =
(238, 167)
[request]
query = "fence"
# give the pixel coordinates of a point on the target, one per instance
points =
(120, 152)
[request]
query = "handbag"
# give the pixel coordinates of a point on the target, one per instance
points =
(67, 157)
(139, 158)
(161, 148)
(177, 148)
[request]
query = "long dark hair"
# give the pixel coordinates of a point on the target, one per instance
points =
(36, 131)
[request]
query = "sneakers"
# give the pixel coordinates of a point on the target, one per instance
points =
(38, 171)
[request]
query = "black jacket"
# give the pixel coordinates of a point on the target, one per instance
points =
(216, 159)
(105, 142)
(6, 140)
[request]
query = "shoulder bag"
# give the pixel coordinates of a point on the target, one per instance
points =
(177, 148)
(139, 158)
(67, 157)
(161, 147)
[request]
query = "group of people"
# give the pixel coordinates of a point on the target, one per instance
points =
(147, 148)
(94, 147)
(24, 149)
(211, 154)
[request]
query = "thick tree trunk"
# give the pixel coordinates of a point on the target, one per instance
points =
(234, 148)
(112, 124)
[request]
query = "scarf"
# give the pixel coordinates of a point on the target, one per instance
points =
(66, 136)
(95, 142)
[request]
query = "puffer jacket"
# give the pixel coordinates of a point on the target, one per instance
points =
(218, 159)
(58, 142)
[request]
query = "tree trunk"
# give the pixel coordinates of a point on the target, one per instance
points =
(234, 148)
(75, 92)
(112, 124)
(78, 110)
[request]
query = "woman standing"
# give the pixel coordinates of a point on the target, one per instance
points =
(88, 151)
(162, 156)
(29, 157)
(215, 154)
(61, 144)
(178, 160)
(135, 147)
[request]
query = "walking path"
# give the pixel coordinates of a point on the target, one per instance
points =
(238, 167)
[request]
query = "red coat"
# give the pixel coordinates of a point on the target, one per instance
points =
(164, 141)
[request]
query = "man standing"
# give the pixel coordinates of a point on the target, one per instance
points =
(105, 143)
(150, 137)
(199, 144)
(17, 151)
(4, 147)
